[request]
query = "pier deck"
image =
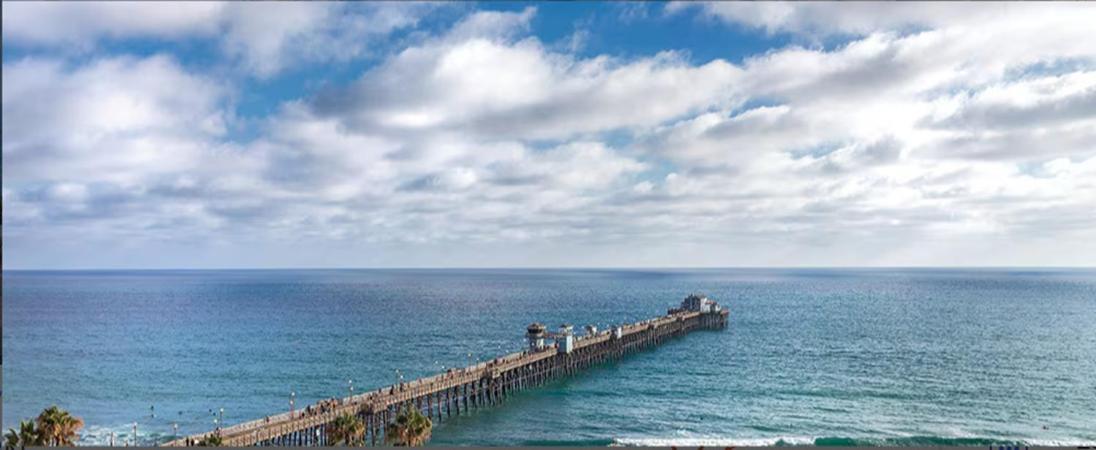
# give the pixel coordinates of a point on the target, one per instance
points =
(458, 390)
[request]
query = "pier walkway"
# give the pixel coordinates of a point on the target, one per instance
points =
(480, 385)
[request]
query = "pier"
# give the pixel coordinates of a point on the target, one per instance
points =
(481, 385)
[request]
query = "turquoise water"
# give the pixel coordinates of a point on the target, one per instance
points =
(843, 357)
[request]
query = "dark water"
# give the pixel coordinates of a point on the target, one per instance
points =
(843, 357)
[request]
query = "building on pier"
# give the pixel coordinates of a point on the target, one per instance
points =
(699, 303)
(565, 339)
(535, 336)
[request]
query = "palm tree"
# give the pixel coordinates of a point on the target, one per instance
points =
(347, 429)
(58, 428)
(213, 440)
(11, 440)
(27, 435)
(411, 428)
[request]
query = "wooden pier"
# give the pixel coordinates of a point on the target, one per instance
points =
(460, 390)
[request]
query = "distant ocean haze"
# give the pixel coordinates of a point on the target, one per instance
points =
(827, 356)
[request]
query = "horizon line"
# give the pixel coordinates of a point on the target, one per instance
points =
(833, 267)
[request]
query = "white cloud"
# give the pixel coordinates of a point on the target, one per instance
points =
(943, 92)
(116, 119)
(920, 140)
(82, 23)
(862, 18)
(266, 37)
(717, 140)
(492, 25)
(916, 135)
(278, 34)
(1026, 103)
(477, 80)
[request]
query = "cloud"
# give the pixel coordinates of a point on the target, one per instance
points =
(265, 38)
(492, 25)
(269, 38)
(926, 133)
(120, 148)
(115, 119)
(478, 80)
(1026, 103)
(918, 140)
(1031, 118)
(946, 92)
(82, 23)
(863, 18)
(716, 139)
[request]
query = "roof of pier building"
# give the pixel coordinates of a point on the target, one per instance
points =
(695, 302)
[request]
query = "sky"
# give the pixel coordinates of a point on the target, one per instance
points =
(507, 134)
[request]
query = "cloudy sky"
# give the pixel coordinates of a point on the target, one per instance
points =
(176, 135)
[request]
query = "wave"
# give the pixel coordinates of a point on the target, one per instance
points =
(99, 436)
(831, 441)
(711, 442)
(568, 443)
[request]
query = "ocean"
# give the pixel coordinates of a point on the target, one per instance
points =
(810, 356)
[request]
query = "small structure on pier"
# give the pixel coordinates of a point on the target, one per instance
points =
(565, 339)
(697, 303)
(591, 330)
(535, 336)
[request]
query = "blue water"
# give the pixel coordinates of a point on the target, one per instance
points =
(810, 356)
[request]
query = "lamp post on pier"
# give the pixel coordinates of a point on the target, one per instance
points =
(222, 419)
(350, 387)
(292, 396)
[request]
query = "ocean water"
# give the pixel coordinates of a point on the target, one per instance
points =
(841, 356)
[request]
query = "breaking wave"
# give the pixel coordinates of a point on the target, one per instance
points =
(789, 441)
